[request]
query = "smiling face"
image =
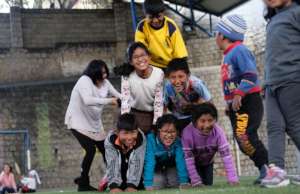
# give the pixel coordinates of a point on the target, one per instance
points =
(128, 138)
(179, 80)
(156, 21)
(205, 123)
(140, 59)
(277, 3)
(168, 134)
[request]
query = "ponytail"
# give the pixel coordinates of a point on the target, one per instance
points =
(124, 70)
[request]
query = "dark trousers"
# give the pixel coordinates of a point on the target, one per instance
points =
(7, 190)
(206, 173)
(245, 124)
(283, 116)
(144, 119)
(89, 145)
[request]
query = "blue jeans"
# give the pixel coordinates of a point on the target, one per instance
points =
(7, 190)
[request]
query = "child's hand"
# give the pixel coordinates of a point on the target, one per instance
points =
(236, 102)
(185, 186)
(130, 189)
(227, 110)
(114, 101)
(115, 190)
(199, 184)
(149, 188)
(234, 183)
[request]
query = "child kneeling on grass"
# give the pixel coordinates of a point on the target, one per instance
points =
(201, 140)
(124, 151)
(164, 164)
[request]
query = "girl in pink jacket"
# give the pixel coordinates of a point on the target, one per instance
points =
(7, 180)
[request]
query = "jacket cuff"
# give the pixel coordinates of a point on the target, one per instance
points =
(113, 186)
(148, 184)
(233, 179)
(196, 181)
(239, 92)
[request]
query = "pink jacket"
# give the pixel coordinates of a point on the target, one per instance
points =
(8, 180)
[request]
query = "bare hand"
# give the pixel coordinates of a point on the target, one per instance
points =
(185, 186)
(200, 184)
(130, 189)
(114, 101)
(227, 110)
(236, 102)
(149, 188)
(116, 190)
(234, 183)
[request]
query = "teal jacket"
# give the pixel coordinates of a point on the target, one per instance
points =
(158, 156)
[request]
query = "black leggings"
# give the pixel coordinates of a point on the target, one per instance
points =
(206, 173)
(89, 145)
(245, 124)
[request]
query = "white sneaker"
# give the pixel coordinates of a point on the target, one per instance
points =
(276, 177)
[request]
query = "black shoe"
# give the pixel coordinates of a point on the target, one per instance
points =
(86, 188)
(262, 175)
(84, 184)
(77, 180)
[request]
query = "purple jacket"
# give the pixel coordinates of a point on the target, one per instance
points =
(202, 148)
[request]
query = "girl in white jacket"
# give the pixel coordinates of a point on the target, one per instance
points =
(91, 92)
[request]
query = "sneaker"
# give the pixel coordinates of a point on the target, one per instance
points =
(103, 184)
(276, 177)
(262, 174)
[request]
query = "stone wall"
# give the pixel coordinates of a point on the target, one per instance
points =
(49, 27)
(40, 107)
(4, 31)
(43, 52)
(40, 36)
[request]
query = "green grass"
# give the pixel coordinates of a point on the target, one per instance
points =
(220, 187)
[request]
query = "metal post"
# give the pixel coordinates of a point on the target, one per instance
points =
(26, 145)
(191, 6)
(188, 19)
(27, 141)
(133, 14)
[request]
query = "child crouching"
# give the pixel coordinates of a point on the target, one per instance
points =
(201, 140)
(124, 151)
(164, 164)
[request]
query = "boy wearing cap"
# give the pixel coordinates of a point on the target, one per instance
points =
(160, 35)
(242, 90)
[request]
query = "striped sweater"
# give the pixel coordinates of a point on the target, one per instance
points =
(200, 150)
(238, 72)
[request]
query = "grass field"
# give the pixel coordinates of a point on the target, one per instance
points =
(220, 187)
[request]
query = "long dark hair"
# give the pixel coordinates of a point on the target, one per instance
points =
(9, 166)
(94, 70)
(127, 68)
(270, 12)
